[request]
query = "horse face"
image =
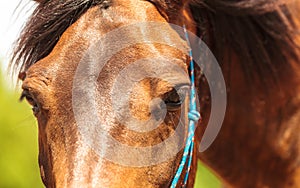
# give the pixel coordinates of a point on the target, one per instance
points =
(89, 106)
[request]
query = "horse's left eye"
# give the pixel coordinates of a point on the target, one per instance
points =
(174, 98)
(26, 94)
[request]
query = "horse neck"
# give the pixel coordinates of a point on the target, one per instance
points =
(258, 144)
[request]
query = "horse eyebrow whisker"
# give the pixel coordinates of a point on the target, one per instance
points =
(22, 75)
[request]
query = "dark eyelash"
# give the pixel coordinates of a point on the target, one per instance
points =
(24, 94)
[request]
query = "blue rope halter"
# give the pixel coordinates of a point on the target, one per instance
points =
(193, 116)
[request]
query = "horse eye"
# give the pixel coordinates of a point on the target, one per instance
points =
(174, 98)
(35, 107)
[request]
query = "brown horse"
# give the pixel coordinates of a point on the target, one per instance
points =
(256, 44)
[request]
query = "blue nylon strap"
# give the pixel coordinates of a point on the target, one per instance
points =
(193, 116)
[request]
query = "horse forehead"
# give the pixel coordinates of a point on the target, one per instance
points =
(76, 40)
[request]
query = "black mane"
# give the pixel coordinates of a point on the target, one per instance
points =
(261, 32)
(48, 22)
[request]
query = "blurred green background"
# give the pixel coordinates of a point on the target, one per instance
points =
(19, 147)
(18, 140)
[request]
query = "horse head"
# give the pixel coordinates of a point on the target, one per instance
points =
(108, 91)
(108, 82)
